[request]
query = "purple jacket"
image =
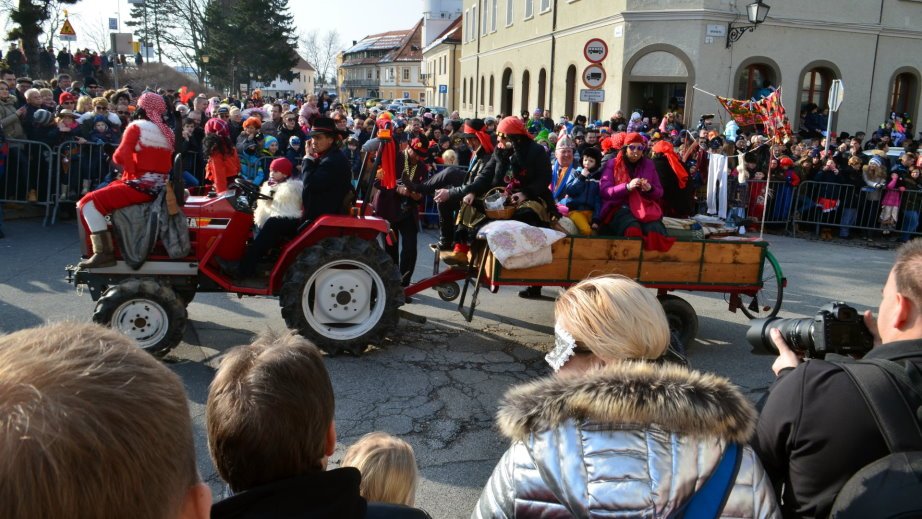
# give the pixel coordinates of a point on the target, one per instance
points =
(615, 195)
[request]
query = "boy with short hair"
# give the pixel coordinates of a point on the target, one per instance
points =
(271, 432)
(93, 427)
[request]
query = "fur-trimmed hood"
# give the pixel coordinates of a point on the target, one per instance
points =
(669, 397)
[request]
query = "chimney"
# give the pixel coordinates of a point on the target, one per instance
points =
(354, 43)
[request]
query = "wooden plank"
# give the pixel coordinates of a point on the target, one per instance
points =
(681, 252)
(606, 249)
(730, 273)
(745, 253)
(581, 269)
(560, 249)
(556, 271)
(669, 271)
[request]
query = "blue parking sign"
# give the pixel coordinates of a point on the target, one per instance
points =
(443, 89)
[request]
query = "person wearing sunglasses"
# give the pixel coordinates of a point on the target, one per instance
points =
(624, 429)
(631, 175)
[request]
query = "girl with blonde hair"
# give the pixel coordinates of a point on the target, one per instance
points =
(388, 467)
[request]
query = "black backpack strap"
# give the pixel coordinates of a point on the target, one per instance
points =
(890, 395)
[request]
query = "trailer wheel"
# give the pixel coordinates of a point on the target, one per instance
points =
(767, 301)
(683, 321)
(343, 294)
(145, 310)
(448, 291)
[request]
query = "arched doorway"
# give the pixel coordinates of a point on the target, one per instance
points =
(507, 89)
(526, 77)
(815, 80)
(658, 77)
(814, 87)
(904, 92)
(570, 101)
(542, 87)
(755, 76)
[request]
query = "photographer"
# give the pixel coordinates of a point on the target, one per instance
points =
(815, 431)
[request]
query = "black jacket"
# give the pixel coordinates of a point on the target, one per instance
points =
(327, 180)
(815, 431)
(531, 166)
(332, 494)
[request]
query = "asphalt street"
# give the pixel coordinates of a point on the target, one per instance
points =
(435, 384)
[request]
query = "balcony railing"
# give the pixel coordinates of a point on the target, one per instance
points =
(361, 83)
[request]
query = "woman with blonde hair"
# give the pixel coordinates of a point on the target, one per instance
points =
(617, 432)
(388, 467)
(84, 105)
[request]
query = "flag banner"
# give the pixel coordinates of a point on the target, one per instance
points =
(768, 111)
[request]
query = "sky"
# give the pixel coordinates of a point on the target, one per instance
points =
(354, 19)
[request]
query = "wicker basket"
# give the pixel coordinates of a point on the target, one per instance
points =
(499, 214)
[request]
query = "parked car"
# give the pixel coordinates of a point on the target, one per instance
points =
(372, 102)
(407, 103)
(441, 110)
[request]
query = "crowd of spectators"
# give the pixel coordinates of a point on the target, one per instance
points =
(95, 427)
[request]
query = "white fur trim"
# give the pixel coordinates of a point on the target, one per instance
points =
(150, 136)
(285, 203)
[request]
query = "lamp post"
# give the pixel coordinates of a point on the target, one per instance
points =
(205, 59)
(757, 12)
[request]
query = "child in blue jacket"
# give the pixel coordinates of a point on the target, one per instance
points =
(583, 197)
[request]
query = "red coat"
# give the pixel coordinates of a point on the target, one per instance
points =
(221, 167)
(143, 149)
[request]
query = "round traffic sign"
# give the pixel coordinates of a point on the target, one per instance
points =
(594, 76)
(596, 50)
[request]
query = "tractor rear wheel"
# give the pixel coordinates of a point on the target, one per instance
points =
(145, 310)
(343, 294)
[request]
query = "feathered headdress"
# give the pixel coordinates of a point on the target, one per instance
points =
(185, 95)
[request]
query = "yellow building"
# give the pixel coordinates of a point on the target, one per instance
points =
(442, 67)
(524, 54)
(385, 65)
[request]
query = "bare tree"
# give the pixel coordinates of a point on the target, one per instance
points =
(97, 33)
(320, 50)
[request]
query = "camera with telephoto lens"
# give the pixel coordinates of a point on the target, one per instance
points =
(836, 328)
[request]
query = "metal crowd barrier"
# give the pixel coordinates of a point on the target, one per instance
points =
(845, 208)
(28, 177)
(80, 168)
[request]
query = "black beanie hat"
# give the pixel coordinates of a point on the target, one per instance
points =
(592, 151)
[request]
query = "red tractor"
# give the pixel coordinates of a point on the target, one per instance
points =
(335, 283)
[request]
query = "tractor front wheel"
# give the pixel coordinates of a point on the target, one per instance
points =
(145, 310)
(343, 294)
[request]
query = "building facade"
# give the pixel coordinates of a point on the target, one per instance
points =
(442, 67)
(524, 54)
(385, 65)
(302, 82)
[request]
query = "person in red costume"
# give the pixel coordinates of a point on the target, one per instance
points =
(223, 162)
(146, 156)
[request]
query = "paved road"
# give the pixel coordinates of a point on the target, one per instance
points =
(436, 385)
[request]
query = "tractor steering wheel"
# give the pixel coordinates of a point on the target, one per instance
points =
(250, 190)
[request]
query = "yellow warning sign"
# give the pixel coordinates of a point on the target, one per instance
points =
(67, 29)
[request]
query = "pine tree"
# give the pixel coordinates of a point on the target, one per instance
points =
(256, 41)
(149, 23)
(27, 18)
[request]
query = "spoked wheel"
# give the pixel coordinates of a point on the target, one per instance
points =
(767, 301)
(146, 311)
(682, 318)
(342, 293)
(448, 291)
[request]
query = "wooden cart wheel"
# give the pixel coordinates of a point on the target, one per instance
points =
(683, 321)
(767, 301)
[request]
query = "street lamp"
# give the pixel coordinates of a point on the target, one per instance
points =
(756, 12)
(205, 58)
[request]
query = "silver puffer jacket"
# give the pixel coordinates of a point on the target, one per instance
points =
(629, 440)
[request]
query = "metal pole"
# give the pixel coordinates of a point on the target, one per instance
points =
(828, 133)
